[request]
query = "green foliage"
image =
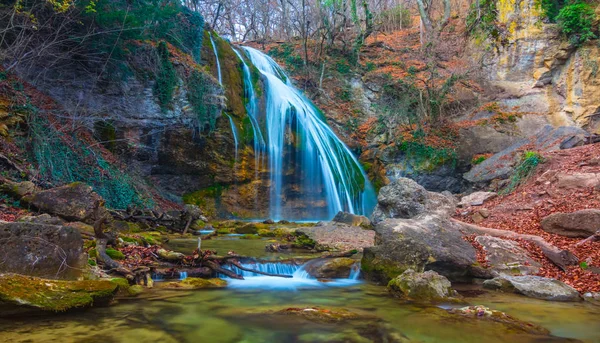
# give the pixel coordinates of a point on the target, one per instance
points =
(198, 91)
(397, 17)
(342, 67)
(428, 158)
(549, 8)
(63, 158)
(115, 254)
(481, 20)
(529, 162)
(166, 79)
(575, 21)
(478, 160)
(370, 66)
(286, 52)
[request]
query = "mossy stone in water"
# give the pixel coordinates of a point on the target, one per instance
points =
(23, 294)
(196, 283)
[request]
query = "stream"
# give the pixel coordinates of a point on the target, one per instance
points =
(246, 311)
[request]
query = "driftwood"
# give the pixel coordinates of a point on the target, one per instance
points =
(561, 258)
(347, 253)
(237, 264)
(214, 266)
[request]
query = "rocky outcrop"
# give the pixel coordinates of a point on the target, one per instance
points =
(502, 164)
(582, 223)
(507, 257)
(331, 268)
(25, 295)
(351, 219)
(43, 250)
(422, 287)
(414, 231)
(577, 180)
(534, 287)
(73, 202)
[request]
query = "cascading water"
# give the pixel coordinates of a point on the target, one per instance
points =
(252, 109)
(214, 46)
(313, 174)
(300, 278)
(235, 136)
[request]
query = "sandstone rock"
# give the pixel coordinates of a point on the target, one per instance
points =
(42, 250)
(578, 180)
(423, 287)
(476, 198)
(351, 219)
(404, 198)
(18, 189)
(21, 294)
(477, 218)
(582, 223)
(507, 257)
(331, 268)
(536, 287)
(427, 242)
(73, 202)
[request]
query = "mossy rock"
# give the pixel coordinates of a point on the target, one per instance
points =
(125, 289)
(224, 231)
(250, 236)
(123, 226)
(115, 254)
(251, 228)
(23, 294)
(196, 283)
(380, 270)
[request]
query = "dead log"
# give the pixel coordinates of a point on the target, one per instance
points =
(215, 267)
(592, 238)
(561, 258)
(237, 264)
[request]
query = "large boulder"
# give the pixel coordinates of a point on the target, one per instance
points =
(404, 198)
(331, 268)
(423, 287)
(507, 257)
(351, 219)
(548, 138)
(21, 294)
(43, 250)
(534, 287)
(582, 223)
(73, 202)
(426, 242)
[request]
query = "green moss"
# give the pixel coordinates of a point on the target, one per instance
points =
(302, 241)
(250, 236)
(381, 270)
(93, 253)
(224, 231)
(196, 283)
(115, 254)
(53, 295)
(266, 233)
(166, 80)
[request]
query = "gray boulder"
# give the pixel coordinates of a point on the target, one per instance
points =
(535, 287)
(43, 250)
(404, 198)
(476, 198)
(73, 202)
(582, 223)
(422, 287)
(331, 268)
(507, 257)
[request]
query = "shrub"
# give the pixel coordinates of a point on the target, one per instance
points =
(549, 8)
(166, 79)
(482, 19)
(575, 21)
(527, 165)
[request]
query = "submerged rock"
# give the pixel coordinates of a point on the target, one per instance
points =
(423, 287)
(582, 223)
(331, 268)
(73, 202)
(320, 315)
(534, 287)
(25, 294)
(196, 283)
(479, 312)
(42, 250)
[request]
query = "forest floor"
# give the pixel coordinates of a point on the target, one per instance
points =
(522, 211)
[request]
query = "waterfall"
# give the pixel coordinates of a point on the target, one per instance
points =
(311, 169)
(235, 136)
(214, 46)
(252, 109)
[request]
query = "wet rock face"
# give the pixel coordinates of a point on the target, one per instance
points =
(42, 250)
(73, 202)
(535, 287)
(423, 287)
(331, 268)
(582, 223)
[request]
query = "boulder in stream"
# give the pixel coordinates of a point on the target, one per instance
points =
(195, 283)
(428, 286)
(351, 219)
(534, 287)
(331, 268)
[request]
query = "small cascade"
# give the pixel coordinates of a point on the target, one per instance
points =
(252, 109)
(300, 278)
(310, 167)
(183, 275)
(235, 136)
(214, 46)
